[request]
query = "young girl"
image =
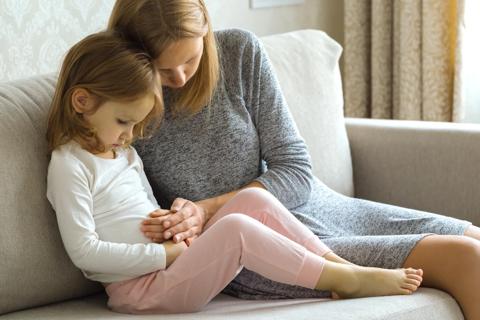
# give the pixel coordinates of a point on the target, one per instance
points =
(108, 94)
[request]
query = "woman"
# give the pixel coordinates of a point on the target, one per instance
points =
(226, 122)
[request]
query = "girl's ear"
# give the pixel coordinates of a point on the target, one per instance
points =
(82, 100)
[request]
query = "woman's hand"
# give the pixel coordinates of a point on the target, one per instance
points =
(185, 220)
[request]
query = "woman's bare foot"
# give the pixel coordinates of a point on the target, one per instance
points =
(352, 281)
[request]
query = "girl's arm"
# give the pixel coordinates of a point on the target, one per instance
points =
(173, 250)
(69, 193)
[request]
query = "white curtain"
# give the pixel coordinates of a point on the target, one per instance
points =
(402, 59)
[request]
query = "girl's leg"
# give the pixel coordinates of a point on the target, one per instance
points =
(352, 281)
(451, 264)
(264, 207)
(211, 262)
(237, 240)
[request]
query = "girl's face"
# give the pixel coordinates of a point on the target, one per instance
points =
(114, 120)
(179, 61)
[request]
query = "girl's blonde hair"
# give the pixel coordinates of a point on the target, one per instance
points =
(109, 68)
(155, 24)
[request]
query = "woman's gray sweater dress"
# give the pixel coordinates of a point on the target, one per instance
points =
(245, 130)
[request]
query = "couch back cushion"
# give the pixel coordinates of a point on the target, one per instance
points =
(307, 65)
(34, 268)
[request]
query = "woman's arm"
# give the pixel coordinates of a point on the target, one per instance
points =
(289, 172)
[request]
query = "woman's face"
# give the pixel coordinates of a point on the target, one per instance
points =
(179, 61)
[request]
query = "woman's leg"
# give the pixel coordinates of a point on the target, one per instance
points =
(237, 240)
(473, 232)
(451, 264)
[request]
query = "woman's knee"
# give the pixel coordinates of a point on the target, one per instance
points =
(468, 251)
(438, 251)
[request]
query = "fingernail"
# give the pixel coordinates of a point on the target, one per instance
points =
(166, 224)
(177, 238)
(167, 234)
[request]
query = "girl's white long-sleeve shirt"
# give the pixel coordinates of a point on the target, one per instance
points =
(100, 204)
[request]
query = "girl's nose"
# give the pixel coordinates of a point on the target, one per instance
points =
(127, 135)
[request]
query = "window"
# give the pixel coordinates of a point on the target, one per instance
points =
(471, 61)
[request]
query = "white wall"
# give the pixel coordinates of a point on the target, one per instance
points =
(326, 15)
(34, 34)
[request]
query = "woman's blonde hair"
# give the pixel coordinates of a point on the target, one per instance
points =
(109, 68)
(156, 24)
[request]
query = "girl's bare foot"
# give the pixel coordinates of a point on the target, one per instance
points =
(367, 282)
(352, 281)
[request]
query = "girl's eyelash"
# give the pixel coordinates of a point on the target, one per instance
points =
(121, 121)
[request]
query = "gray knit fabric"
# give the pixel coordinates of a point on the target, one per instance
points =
(248, 127)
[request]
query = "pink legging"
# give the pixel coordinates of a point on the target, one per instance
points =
(253, 230)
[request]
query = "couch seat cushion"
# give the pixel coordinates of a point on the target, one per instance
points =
(425, 304)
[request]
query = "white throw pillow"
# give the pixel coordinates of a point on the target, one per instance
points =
(306, 63)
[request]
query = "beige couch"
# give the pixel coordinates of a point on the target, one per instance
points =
(420, 165)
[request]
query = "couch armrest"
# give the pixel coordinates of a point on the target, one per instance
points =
(429, 166)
